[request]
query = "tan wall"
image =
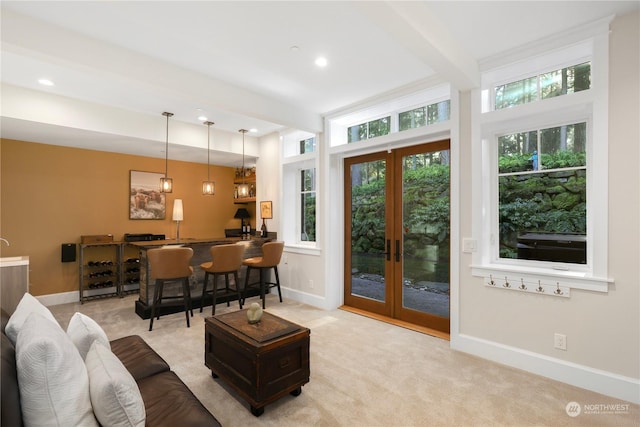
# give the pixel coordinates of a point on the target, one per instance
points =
(52, 195)
(602, 329)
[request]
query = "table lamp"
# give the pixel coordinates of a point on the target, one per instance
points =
(241, 214)
(178, 216)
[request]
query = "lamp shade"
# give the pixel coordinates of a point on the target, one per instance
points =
(177, 210)
(242, 213)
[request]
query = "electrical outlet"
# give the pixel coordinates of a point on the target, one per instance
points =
(310, 284)
(560, 341)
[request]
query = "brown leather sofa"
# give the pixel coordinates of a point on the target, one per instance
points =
(167, 400)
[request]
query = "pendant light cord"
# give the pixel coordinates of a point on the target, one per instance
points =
(166, 147)
(243, 174)
(208, 148)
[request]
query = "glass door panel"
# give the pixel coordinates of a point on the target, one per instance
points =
(422, 224)
(397, 234)
(366, 233)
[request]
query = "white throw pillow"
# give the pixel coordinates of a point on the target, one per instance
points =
(53, 381)
(115, 396)
(83, 331)
(27, 305)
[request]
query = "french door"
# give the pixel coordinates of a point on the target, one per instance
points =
(397, 234)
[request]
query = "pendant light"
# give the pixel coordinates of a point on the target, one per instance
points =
(166, 183)
(243, 189)
(208, 186)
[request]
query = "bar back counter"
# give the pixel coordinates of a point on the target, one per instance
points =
(201, 254)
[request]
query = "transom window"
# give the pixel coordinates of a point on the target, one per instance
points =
(548, 85)
(369, 130)
(308, 145)
(424, 116)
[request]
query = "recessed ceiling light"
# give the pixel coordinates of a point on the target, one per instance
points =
(202, 118)
(321, 61)
(254, 130)
(45, 82)
(294, 48)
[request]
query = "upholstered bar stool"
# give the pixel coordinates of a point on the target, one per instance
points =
(225, 260)
(170, 264)
(271, 254)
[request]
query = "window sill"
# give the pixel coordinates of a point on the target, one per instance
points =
(516, 275)
(302, 249)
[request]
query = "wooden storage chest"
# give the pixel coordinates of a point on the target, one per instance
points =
(261, 362)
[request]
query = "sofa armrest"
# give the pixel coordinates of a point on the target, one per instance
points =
(139, 359)
(169, 402)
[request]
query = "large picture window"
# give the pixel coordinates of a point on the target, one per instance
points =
(541, 164)
(542, 186)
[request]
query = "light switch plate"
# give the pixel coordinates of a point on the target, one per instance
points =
(469, 245)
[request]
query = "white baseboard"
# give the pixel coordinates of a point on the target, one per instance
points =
(61, 298)
(599, 381)
(305, 298)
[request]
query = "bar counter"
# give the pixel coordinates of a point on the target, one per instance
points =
(201, 255)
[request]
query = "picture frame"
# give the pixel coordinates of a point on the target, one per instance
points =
(266, 211)
(145, 199)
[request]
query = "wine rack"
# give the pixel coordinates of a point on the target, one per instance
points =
(107, 269)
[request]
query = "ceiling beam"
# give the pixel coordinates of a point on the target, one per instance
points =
(418, 30)
(24, 36)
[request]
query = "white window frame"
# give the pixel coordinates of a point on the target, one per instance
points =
(299, 202)
(590, 106)
(292, 164)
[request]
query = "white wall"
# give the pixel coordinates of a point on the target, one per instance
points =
(300, 271)
(602, 329)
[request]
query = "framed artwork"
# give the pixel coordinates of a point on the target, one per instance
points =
(145, 199)
(265, 210)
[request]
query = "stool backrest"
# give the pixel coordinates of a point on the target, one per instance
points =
(169, 262)
(271, 254)
(227, 257)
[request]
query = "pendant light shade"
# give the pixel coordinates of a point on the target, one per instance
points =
(208, 186)
(166, 183)
(243, 189)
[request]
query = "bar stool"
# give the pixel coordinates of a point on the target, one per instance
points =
(271, 254)
(225, 260)
(170, 264)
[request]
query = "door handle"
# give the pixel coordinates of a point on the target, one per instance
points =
(397, 250)
(388, 253)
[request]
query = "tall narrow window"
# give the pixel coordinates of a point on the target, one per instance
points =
(308, 205)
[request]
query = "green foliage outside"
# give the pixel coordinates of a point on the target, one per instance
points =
(425, 218)
(548, 202)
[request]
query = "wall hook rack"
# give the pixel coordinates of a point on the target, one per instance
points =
(527, 286)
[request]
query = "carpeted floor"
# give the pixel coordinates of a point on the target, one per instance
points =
(364, 373)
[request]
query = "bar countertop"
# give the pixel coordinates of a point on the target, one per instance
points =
(196, 241)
